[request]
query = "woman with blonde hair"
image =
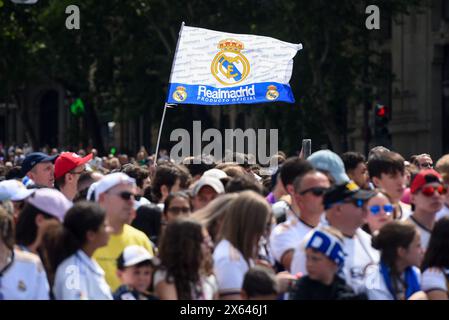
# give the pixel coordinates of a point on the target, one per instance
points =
(244, 223)
(211, 216)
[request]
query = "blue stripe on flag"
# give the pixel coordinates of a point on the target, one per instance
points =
(180, 93)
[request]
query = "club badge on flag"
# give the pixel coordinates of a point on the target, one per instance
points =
(218, 68)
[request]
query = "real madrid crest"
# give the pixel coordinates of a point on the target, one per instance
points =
(272, 93)
(230, 66)
(180, 94)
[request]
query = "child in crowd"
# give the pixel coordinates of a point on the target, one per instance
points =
(324, 259)
(259, 283)
(135, 268)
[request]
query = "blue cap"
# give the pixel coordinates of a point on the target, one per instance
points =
(328, 244)
(326, 160)
(34, 158)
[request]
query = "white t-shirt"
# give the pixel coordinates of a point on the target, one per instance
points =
(359, 255)
(423, 232)
(375, 285)
(406, 210)
(209, 285)
(229, 267)
(80, 277)
(434, 279)
(25, 278)
(444, 212)
(287, 236)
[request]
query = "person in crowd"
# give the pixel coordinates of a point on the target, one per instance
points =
(309, 188)
(410, 171)
(387, 172)
(442, 167)
(427, 196)
(168, 178)
(380, 212)
(16, 192)
(435, 266)
(39, 169)
(78, 276)
(422, 161)
(68, 168)
(211, 216)
(325, 258)
(135, 267)
(205, 190)
(243, 183)
(115, 193)
(397, 276)
(259, 283)
(244, 224)
(277, 189)
(198, 165)
(22, 276)
(176, 205)
(142, 178)
(85, 180)
(345, 207)
(185, 271)
(355, 166)
(284, 209)
(42, 209)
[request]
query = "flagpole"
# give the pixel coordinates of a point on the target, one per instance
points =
(166, 105)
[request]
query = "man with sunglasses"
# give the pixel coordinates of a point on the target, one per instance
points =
(68, 168)
(427, 196)
(308, 190)
(345, 206)
(115, 193)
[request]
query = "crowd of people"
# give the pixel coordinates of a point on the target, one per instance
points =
(76, 226)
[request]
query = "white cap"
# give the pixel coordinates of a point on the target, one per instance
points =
(110, 181)
(215, 173)
(134, 254)
(14, 190)
(50, 201)
(212, 182)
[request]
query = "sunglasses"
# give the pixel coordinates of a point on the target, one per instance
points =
(375, 210)
(125, 195)
(316, 191)
(430, 191)
(178, 210)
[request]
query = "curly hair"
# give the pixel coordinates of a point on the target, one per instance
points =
(181, 256)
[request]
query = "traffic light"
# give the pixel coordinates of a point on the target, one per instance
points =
(381, 119)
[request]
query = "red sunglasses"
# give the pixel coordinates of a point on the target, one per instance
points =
(429, 191)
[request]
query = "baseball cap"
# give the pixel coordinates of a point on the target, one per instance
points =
(344, 191)
(324, 241)
(13, 190)
(110, 181)
(215, 173)
(133, 255)
(329, 161)
(424, 177)
(68, 161)
(34, 158)
(212, 182)
(50, 201)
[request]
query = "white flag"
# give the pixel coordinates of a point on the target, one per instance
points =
(218, 68)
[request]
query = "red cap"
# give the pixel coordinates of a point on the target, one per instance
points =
(425, 177)
(68, 161)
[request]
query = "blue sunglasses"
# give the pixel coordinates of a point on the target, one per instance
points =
(388, 208)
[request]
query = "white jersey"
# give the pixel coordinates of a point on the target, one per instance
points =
(375, 285)
(24, 279)
(423, 232)
(79, 277)
(287, 236)
(435, 279)
(444, 212)
(359, 255)
(229, 267)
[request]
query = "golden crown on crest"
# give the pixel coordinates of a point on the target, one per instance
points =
(231, 45)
